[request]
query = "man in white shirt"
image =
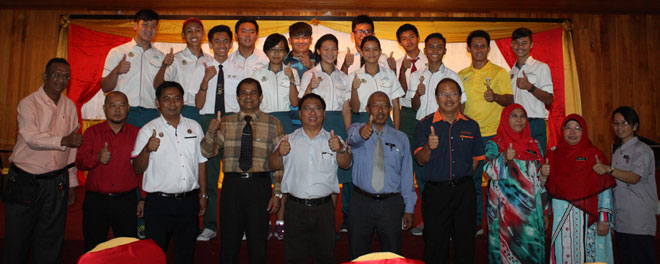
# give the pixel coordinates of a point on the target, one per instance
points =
(131, 67)
(168, 151)
(532, 84)
(362, 26)
(246, 58)
(180, 67)
(310, 180)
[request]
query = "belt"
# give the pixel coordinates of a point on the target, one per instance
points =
(47, 175)
(377, 197)
(177, 196)
(451, 183)
(310, 202)
(113, 195)
(247, 175)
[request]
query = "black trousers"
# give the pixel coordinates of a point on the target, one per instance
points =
(243, 205)
(166, 218)
(100, 213)
(369, 216)
(309, 228)
(448, 212)
(39, 224)
(635, 249)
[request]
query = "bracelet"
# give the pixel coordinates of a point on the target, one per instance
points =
(203, 90)
(611, 170)
(531, 90)
(203, 195)
(279, 195)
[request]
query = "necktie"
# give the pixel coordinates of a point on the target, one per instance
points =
(413, 68)
(378, 169)
(220, 91)
(245, 158)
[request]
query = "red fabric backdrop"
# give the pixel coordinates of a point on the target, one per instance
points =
(547, 48)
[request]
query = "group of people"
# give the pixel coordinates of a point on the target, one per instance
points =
(288, 125)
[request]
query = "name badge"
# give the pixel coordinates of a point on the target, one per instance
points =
(581, 158)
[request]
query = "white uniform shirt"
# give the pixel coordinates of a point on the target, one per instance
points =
(427, 102)
(241, 68)
(310, 168)
(276, 88)
(421, 63)
(182, 71)
(138, 82)
(174, 167)
(385, 80)
(382, 61)
(538, 73)
(231, 102)
(335, 89)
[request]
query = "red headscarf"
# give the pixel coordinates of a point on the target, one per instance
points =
(526, 147)
(572, 177)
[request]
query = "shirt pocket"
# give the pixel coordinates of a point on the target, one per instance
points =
(392, 156)
(327, 162)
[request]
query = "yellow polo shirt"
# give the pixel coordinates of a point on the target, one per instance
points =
(474, 81)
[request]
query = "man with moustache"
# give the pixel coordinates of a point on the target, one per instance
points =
(448, 146)
(384, 192)
(110, 200)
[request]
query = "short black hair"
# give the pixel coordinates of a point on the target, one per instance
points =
(629, 114)
(311, 96)
(218, 29)
(319, 43)
(166, 85)
(362, 19)
(145, 15)
(476, 34)
(404, 28)
(246, 20)
(56, 60)
(435, 35)
(369, 38)
(273, 39)
(448, 80)
(248, 81)
(521, 33)
(300, 28)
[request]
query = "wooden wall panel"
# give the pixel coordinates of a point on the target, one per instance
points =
(617, 58)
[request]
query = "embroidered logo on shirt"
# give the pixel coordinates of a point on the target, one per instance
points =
(130, 54)
(363, 80)
(160, 134)
(184, 62)
(263, 79)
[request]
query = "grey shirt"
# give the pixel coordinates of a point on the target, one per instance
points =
(635, 205)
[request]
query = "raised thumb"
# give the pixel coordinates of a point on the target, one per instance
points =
(432, 131)
(332, 133)
(154, 133)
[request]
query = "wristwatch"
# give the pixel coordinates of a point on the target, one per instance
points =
(203, 195)
(279, 195)
(531, 89)
(611, 170)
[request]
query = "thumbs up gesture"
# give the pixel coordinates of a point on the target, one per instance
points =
(315, 81)
(421, 87)
(169, 58)
(123, 66)
(288, 72)
(104, 154)
(209, 72)
(489, 95)
(406, 63)
(356, 82)
(510, 153)
(600, 168)
(366, 130)
(391, 61)
(153, 143)
(334, 143)
(306, 60)
(214, 125)
(545, 169)
(433, 139)
(349, 59)
(285, 146)
(523, 83)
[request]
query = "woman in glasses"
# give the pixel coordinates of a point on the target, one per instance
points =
(635, 196)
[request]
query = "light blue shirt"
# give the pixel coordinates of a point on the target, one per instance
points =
(398, 163)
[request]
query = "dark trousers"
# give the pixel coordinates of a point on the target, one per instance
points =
(210, 220)
(243, 205)
(39, 224)
(448, 212)
(380, 216)
(139, 116)
(166, 218)
(477, 178)
(309, 228)
(100, 213)
(637, 249)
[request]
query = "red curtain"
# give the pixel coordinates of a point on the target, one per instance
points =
(548, 49)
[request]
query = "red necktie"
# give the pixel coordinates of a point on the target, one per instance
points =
(413, 68)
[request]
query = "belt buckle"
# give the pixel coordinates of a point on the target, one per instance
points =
(245, 175)
(452, 183)
(179, 196)
(308, 202)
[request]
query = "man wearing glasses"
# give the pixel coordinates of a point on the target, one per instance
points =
(362, 26)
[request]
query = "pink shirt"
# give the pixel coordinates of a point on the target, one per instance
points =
(41, 126)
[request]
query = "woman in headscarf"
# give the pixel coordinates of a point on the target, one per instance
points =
(581, 198)
(515, 206)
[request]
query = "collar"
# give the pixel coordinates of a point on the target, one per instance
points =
(437, 117)
(530, 61)
(363, 69)
(630, 143)
(254, 116)
(319, 68)
(105, 125)
(135, 44)
(41, 93)
(488, 65)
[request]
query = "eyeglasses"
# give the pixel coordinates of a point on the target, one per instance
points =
(453, 95)
(59, 76)
(363, 32)
(277, 50)
(308, 108)
(575, 128)
(620, 124)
